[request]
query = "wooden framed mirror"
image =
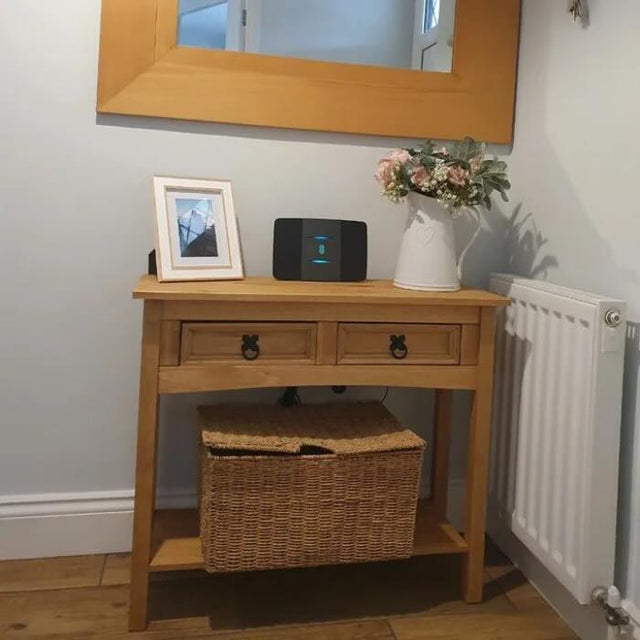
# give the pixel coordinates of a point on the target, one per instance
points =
(144, 71)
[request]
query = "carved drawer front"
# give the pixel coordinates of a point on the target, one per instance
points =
(398, 344)
(250, 343)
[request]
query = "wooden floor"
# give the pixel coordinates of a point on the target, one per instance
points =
(86, 597)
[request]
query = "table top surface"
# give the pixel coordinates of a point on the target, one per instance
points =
(269, 290)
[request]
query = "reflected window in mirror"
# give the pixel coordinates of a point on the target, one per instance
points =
(431, 14)
(409, 34)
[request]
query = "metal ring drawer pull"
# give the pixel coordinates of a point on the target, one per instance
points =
(398, 348)
(250, 349)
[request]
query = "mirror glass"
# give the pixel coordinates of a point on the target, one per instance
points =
(408, 34)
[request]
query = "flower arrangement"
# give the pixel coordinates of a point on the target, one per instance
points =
(456, 177)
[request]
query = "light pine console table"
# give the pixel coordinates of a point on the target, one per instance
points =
(211, 336)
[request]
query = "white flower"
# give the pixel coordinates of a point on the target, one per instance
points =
(440, 172)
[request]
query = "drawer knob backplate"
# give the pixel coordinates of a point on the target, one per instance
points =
(398, 348)
(250, 349)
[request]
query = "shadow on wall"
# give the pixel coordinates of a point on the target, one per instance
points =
(629, 440)
(508, 243)
(269, 134)
(525, 246)
(505, 432)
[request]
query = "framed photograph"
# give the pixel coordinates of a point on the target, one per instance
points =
(196, 230)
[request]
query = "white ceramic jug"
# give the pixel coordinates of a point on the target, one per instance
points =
(427, 260)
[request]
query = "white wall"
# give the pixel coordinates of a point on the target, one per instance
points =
(575, 167)
(377, 32)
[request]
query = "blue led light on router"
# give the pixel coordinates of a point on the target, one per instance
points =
(321, 237)
(318, 261)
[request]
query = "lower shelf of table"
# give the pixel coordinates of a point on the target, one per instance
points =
(176, 544)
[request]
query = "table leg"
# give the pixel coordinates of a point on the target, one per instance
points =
(144, 504)
(440, 461)
(478, 462)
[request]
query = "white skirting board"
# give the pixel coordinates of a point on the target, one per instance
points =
(69, 524)
(72, 524)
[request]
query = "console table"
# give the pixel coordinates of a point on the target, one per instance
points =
(259, 332)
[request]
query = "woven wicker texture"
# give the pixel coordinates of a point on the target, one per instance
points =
(267, 512)
(341, 428)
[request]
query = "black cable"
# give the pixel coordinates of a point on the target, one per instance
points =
(384, 397)
(289, 397)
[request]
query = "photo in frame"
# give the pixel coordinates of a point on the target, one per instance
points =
(196, 230)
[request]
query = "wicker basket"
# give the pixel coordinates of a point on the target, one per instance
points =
(306, 486)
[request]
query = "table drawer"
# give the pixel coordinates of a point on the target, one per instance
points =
(398, 344)
(249, 343)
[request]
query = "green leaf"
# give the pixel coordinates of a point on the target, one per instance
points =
(427, 147)
(427, 160)
(467, 149)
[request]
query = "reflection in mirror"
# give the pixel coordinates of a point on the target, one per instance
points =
(410, 34)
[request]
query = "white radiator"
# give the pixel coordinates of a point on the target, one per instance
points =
(556, 427)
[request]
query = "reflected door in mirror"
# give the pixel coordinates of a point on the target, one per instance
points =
(433, 35)
(409, 34)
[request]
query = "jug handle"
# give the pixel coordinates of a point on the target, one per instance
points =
(476, 233)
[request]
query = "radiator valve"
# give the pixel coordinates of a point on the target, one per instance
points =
(609, 600)
(613, 317)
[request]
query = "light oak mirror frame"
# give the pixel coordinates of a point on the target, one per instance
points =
(143, 72)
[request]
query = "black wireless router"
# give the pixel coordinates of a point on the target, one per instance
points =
(319, 250)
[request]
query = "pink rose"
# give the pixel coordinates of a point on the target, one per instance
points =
(399, 156)
(384, 172)
(387, 167)
(458, 176)
(420, 176)
(382, 169)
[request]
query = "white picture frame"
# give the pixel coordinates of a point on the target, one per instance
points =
(196, 230)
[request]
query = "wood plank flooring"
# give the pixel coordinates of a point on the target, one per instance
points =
(85, 598)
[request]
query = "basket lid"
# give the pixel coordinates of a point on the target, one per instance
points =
(339, 428)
